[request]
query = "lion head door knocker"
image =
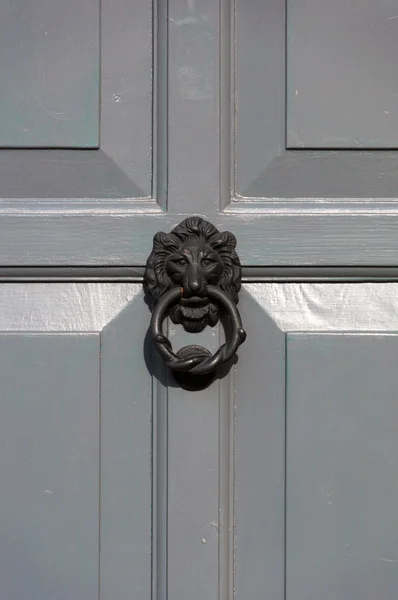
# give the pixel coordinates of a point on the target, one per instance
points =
(193, 275)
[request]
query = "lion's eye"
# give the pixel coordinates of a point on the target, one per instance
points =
(180, 261)
(207, 262)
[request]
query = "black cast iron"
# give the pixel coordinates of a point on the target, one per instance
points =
(192, 273)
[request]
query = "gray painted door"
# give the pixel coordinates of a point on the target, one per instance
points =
(75, 437)
(315, 442)
(276, 120)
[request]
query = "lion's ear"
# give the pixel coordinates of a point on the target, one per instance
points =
(164, 241)
(226, 238)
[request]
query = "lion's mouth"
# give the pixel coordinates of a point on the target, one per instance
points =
(194, 308)
(194, 311)
(194, 301)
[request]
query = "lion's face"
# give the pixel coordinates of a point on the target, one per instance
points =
(192, 256)
(192, 268)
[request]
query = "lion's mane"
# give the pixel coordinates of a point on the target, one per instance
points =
(157, 281)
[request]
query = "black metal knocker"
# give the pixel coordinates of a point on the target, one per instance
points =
(193, 274)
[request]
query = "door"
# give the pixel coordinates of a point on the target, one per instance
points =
(274, 120)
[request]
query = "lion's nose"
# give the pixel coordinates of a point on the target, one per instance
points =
(194, 283)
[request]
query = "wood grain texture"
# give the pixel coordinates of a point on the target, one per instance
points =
(324, 237)
(329, 307)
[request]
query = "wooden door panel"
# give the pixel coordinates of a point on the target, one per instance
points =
(324, 84)
(341, 466)
(340, 92)
(314, 144)
(50, 74)
(75, 421)
(69, 84)
(49, 468)
(316, 454)
(76, 130)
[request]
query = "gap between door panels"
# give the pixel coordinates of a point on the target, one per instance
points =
(135, 274)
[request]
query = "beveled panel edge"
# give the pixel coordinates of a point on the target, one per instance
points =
(125, 159)
(63, 307)
(126, 102)
(329, 307)
(311, 206)
(326, 180)
(39, 207)
(263, 40)
(262, 52)
(62, 177)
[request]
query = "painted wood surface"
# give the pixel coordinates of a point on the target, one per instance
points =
(197, 495)
(76, 442)
(315, 446)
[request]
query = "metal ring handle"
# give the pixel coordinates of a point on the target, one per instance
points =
(200, 364)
